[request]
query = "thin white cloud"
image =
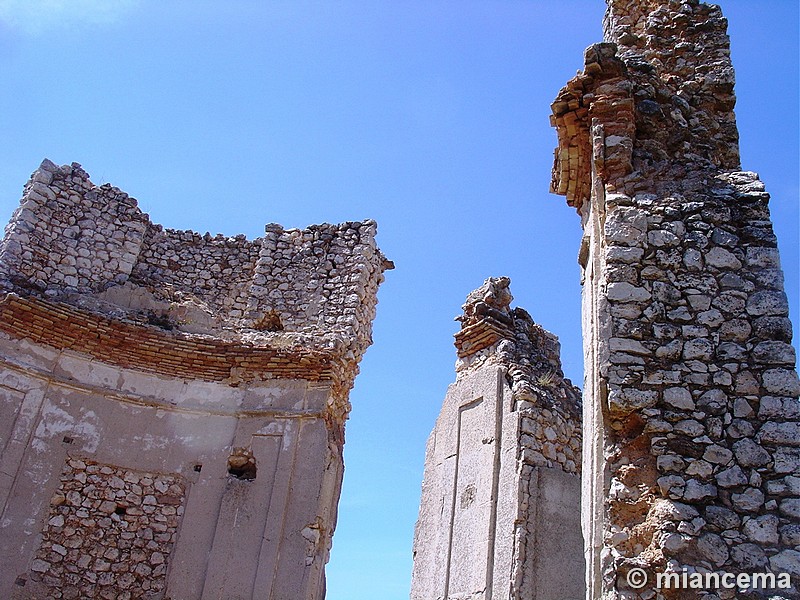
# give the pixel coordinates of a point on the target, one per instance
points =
(39, 16)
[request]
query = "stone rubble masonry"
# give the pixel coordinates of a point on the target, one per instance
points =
(217, 368)
(691, 416)
(308, 294)
(109, 533)
(500, 513)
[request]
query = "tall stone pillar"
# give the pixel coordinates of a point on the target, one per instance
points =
(499, 516)
(691, 457)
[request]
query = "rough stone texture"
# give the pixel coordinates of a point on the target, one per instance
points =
(109, 533)
(691, 411)
(500, 513)
(189, 390)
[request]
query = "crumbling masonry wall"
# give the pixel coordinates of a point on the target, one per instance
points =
(691, 431)
(121, 524)
(499, 514)
(172, 404)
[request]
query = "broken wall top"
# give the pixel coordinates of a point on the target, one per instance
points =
(492, 331)
(75, 246)
(653, 107)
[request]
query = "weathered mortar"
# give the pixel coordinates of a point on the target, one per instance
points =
(691, 437)
(219, 367)
(499, 514)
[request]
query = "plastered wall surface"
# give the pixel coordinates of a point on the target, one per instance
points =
(500, 512)
(173, 405)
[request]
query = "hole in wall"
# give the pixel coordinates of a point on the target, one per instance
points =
(160, 320)
(242, 464)
(121, 510)
(246, 472)
(197, 468)
(271, 321)
(67, 439)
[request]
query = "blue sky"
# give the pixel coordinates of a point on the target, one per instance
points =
(429, 116)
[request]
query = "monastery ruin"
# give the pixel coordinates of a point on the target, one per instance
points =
(173, 405)
(500, 509)
(691, 422)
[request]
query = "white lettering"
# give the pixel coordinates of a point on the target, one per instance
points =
(712, 581)
(665, 581)
(709, 580)
(762, 580)
(696, 581)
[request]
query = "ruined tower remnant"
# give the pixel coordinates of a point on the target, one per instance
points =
(691, 438)
(500, 515)
(173, 404)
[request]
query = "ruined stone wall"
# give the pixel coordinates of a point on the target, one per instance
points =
(69, 235)
(219, 270)
(499, 514)
(691, 413)
(110, 532)
(155, 443)
(289, 280)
